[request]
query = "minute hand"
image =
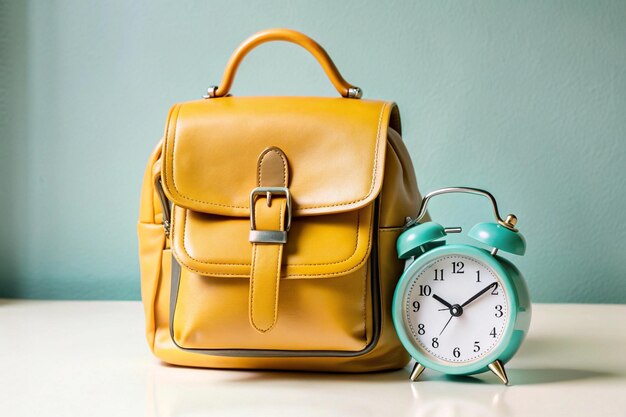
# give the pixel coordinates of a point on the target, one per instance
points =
(493, 285)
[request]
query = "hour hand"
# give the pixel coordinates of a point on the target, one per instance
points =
(442, 301)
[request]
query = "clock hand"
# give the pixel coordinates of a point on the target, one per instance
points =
(444, 327)
(481, 292)
(455, 310)
(442, 301)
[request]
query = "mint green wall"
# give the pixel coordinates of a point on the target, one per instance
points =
(525, 99)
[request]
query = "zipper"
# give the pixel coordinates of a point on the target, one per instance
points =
(165, 204)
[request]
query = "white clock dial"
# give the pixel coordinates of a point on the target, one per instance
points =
(456, 309)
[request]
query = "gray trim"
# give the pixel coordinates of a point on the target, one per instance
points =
(376, 316)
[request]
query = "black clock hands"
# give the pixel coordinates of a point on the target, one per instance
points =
(493, 285)
(456, 310)
(442, 301)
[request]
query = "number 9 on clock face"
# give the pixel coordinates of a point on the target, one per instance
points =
(455, 309)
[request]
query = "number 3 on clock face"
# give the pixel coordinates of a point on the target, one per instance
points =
(446, 322)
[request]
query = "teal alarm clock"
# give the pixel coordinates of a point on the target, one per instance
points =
(461, 309)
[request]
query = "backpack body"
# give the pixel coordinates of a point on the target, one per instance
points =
(267, 234)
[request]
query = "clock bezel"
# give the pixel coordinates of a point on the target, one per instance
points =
(481, 364)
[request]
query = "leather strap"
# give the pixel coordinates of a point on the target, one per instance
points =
(269, 214)
(272, 168)
(341, 85)
(266, 265)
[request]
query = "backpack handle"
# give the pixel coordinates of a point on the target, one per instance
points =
(287, 35)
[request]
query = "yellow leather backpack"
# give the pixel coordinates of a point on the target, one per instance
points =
(268, 226)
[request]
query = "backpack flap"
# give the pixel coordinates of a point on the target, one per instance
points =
(335, 147)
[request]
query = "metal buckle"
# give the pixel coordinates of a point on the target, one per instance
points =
(269, 236)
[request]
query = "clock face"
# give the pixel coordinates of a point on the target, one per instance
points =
(455, 309)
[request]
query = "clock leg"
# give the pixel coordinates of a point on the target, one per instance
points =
(417, 371)
(498, 368)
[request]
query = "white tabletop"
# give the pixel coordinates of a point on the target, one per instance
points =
(66, 358)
